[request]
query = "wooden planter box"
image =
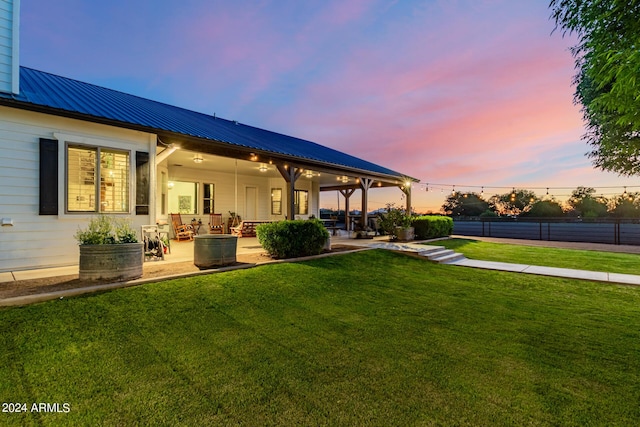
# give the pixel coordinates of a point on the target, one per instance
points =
(117, 262)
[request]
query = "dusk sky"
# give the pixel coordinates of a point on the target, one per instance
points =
(456, 92)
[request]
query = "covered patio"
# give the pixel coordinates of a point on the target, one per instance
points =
(196, 180)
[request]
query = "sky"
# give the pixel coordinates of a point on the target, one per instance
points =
(464, 93)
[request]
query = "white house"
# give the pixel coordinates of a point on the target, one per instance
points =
(70, 150)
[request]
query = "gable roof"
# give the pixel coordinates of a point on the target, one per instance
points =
(64, 96)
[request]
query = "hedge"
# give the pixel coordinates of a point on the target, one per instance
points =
(432, 226)
(290, 239)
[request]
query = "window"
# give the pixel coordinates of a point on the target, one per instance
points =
(209, 205)
(97, 179)
(183, 197)
(301, 202)
(276, 201)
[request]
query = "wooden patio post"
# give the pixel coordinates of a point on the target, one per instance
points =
(290, 175)
(365, 184)
(406, 189)
(347, 193)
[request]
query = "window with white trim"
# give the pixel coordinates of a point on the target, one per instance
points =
(97, 179)
(276, 201)
(183, 197)
(209, 199)
(301, 199)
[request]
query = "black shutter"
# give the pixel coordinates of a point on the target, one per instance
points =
(48, 176)
(142, 183)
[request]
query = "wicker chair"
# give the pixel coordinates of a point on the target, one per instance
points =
(215, 224)
(181, 231)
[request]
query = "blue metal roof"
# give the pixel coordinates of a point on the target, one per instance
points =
(67, 95)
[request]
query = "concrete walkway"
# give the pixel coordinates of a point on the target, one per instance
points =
(444, 256)
(596, 276)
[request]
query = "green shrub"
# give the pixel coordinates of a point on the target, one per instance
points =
(432, 226)
(290, 239)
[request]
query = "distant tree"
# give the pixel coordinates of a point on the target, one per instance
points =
(513, 203)
(626, 206)
(544, 209)
(464, 204)
(488, 214)
(607, 83)
(584, 203)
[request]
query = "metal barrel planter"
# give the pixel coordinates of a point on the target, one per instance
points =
(214, 250)
(116, 262)
(405, 234)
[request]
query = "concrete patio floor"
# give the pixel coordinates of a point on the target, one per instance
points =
(180, 252)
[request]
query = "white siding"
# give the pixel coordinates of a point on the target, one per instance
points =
(36, 241)
(9, 51)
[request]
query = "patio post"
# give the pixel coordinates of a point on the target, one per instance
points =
(406, 189)
(347, 192)
(365, 184)
(290, 175)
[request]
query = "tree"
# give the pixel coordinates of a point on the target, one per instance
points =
(513, 203)
(626, 206)
(607, 85)
(545, 209)
(585, 204)
(464, 204)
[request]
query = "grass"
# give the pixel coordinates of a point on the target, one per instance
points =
(371, 338)
(548, 257)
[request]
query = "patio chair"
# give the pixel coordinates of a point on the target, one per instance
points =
(215, 224)
(181, 231)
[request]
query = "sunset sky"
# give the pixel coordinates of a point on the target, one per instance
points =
(455, 92)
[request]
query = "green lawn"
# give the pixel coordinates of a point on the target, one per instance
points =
(549, 257)
(371, 338)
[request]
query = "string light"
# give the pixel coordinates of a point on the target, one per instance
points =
(551, 192)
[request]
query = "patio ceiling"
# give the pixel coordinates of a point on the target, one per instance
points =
(329, 179)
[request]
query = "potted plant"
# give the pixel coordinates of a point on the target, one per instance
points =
(109, 250)
(397, 224)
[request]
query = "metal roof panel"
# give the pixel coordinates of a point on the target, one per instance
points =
(60, 93)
